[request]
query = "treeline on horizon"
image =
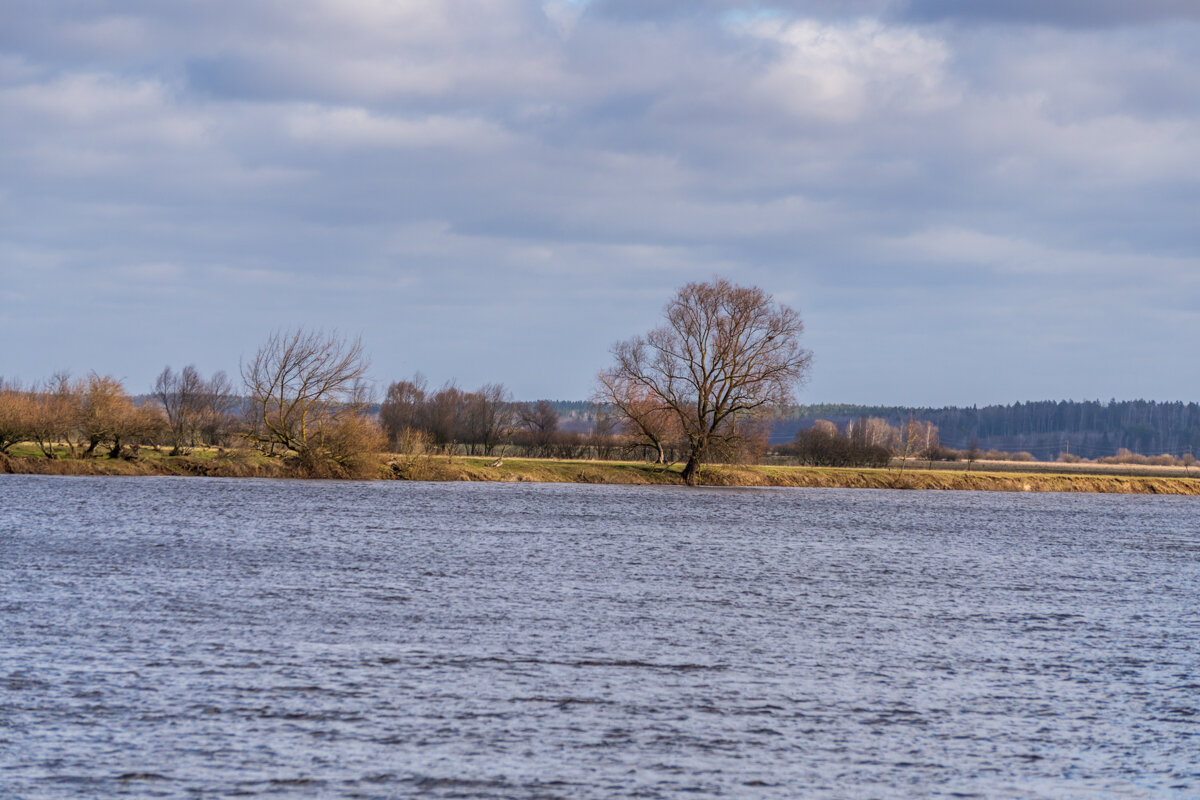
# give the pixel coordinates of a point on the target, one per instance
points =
(714, 382)
(95, 415)
(1045, 429)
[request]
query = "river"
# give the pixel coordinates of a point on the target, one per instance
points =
(188, 637)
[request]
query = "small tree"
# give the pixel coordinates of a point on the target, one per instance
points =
(345, 447)
(16, 415)
(931, 446)
(918, 439)
(56, 412)
(972, 453)
(179, 395)
(726, 354)
(489, 416)
(403, 409)
(105, 412)
(217, 415)
(603, 440)
(196, 409)
(540, 421)
(299, 385)
(136, 425)
(648, 421)
(443, 416)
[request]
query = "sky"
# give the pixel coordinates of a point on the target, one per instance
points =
(968, 203)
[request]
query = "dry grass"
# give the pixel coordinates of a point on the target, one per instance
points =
(248, 463)
(203, 462)
(439, 468)
(947, 481)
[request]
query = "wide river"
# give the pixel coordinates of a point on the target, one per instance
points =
(164, 637)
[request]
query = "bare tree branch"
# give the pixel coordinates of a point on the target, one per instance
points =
(726, 356)
(299, 383)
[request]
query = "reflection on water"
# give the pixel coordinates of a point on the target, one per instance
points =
(180, 637)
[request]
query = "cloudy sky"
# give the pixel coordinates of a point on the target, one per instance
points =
(968, 202)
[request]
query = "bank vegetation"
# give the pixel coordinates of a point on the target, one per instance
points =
(694, 400)
(244, 463)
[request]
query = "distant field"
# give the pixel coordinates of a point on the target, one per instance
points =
(1053, 467)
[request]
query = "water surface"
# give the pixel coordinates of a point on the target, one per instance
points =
(166, 637)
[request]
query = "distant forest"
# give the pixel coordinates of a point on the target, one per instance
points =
(1045, 429)
(1089, 429)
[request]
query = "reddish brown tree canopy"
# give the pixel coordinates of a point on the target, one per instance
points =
(726, 354)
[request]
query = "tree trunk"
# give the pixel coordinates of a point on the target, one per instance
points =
(691, 470)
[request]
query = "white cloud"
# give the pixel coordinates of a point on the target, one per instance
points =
(86, 98)
(529, 160)
(94, 108)
(1027, 141)
(845, 72)
(563, 15)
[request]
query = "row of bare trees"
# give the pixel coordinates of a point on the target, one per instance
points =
(705, 383)
(302, 394)
(198, 411)
(416, 419)
(85, 417)
(698, 388)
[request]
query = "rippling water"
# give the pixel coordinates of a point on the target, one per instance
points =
(186, 637)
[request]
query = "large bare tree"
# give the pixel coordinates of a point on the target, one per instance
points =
(726, 355)
(300, 384)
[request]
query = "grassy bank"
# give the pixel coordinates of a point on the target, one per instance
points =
(207, 462)
(250, 464)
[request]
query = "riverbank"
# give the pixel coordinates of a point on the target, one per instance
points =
(250, 464)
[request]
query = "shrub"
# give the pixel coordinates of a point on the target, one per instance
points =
(825, 446)
(345, 447)
(17, 411)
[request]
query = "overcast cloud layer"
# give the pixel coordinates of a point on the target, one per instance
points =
(968, 202)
